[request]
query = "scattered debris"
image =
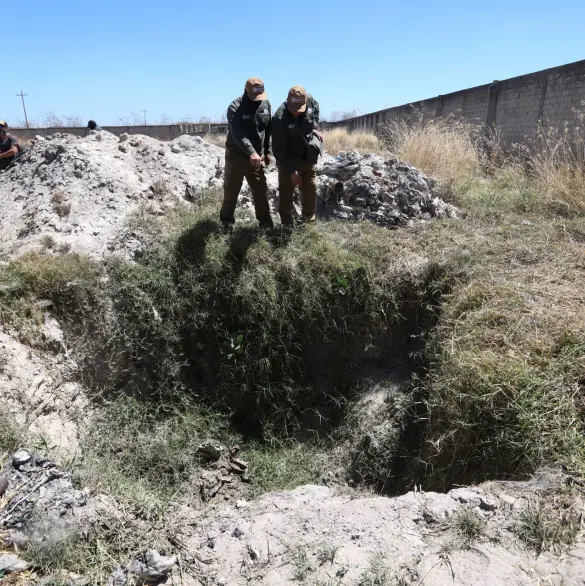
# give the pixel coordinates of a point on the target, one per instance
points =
(42, 489)
(117, 578)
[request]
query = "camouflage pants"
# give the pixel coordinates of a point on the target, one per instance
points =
(238, 166)
(286, 191)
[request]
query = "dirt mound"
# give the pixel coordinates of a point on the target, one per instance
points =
(77, 194)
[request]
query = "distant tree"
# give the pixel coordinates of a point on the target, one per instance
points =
(51, 120)
(340, 115)
(132, 120)
(21, 123)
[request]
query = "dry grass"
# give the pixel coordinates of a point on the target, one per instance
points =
(341, 139)
(555, 162)
(444, 148)
(215, 138)
(544, 176)
(552, 522)
(508, 356)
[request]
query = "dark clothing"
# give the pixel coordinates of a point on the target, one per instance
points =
(238, 166)
(286, 190)
(290, 135)
(6, 144)
(249, 126)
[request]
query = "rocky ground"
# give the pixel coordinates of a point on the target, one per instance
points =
(311, 535)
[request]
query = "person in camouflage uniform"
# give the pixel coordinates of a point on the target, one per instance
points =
(294, 128)
(247, 152)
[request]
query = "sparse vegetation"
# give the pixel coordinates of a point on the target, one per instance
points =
(302, 565)
(468, 527)
(12, 436)
(341, 139)
(48, 242)
(326, 554)
(551, 523)
(61, 204)
(378, 572)
(160, 187)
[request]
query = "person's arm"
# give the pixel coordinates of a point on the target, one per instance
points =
(238, 132)
(12, 151)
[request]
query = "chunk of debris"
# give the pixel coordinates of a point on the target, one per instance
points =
(20, 458)
(12, 563)
(155, 567)
(210, 450)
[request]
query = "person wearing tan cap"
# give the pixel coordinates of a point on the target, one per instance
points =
(296, 145)
(247, 152)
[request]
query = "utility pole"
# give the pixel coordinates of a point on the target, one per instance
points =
(144, 112)
(21, 96)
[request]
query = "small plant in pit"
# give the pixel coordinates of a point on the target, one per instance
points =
(302, 565)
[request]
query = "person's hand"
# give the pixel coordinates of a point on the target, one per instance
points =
(267, 159)
(255, 160)
(296, 179)
(318, 135)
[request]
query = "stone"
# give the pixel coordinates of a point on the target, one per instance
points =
(117, 578)
(21, 457)
(210, 450)
(3, 486)
(12, 563)
(15, 538)
(156, 566)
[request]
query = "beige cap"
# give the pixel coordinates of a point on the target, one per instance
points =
(297, 99)
(3, 124)
(255, 89)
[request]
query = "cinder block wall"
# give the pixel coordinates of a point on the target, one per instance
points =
(552, 97)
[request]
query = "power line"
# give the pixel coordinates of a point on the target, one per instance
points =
(144, 112)
(21, 95)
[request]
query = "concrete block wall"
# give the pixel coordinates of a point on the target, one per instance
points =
(517, 106)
